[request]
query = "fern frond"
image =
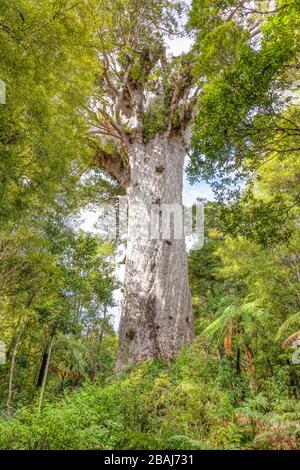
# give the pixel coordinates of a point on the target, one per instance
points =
(291, 323)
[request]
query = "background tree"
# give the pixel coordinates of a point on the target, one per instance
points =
(247, 67)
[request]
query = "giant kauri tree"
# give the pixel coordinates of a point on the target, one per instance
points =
(141, 114)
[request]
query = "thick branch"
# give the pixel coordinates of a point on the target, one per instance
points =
(180, 88)
(114, 165)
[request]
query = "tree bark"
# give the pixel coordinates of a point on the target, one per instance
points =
(12, 369)
(156, 312)
(42, 368)
(45, 375)
(29, 301)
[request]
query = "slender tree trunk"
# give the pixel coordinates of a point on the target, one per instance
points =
(294, 381)
(42, 368)
(250, 367)
(102, 329)
(238, 361)
(12, 368)
(29, 301)
(156, 315)
(44, 380)
(14, 355)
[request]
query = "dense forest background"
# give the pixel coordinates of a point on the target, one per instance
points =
(237, 385)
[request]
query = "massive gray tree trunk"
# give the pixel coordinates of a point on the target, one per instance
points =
(156, 313)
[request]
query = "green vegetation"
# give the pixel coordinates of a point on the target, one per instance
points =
(237, 385)
(198, 402)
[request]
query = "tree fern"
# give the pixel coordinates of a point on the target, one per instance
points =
(233, 314)
(291, 324)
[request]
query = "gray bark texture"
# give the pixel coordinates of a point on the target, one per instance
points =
(156, 312)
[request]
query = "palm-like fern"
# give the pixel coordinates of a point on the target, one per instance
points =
(237, 322)
(233, 316)
(291, 328)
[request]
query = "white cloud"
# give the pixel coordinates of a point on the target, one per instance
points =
(179, 45)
